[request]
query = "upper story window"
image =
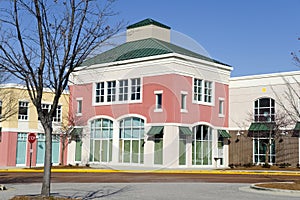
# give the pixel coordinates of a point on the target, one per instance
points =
(23, 110)
(123, 90)
(208, 91)
(203, 91)
(264, 110)
(183, 106)
(197, 89)
(57, 116)
(158, 101)
(79, 106)
(99, 92)
(221, 107)
(136, 89)
(118, 91)
(111, 91)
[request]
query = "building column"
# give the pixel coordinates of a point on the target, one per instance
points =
(148, 152)
(171, 146)
(71, 152)
(85, 154)
(115, 144)
(189, 152)
(215, 151)
(226, 153)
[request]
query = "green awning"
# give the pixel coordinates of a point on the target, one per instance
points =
(260, 126)
(261, 129)
(76, 132)
(185, 130)
(297, 127)
(224, 134)
(155, 130)
(296, 130)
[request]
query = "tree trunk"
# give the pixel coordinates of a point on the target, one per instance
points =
(48, 161)
(62, 154)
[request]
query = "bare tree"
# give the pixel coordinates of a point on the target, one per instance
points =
(42, 42)
(270, 128)
(69, 134)
(8, 107)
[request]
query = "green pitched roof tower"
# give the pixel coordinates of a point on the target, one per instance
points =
(144, 39)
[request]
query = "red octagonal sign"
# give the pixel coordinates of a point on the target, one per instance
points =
(31, 137)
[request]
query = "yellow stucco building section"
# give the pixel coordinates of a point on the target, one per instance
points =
(12, 94)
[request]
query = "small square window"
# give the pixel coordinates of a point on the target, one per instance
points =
(158, 101)
(79, 106)
(221, 108)
(183, 105)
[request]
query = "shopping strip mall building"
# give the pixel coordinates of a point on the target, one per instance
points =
(151, 103)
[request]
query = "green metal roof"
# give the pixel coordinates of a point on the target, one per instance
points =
(155, 130)
(261, 129)
(297, 127)
(146, 22)
(296, 132)
(76, 131)
(185, 130)
(140, 49)
(224, 134)
(259, 126)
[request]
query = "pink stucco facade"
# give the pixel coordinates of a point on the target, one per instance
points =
(171, 85)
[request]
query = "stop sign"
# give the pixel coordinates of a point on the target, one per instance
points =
(31, 137)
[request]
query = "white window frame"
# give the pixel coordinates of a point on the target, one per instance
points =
(25, 105)
(132, 90)
(79, 106)
(203, 91)
(221, 107)
(58, 112)
(197, 90)
(258, 154)
(158, 107)
(123, 90)
(101, 90)
(183, 101)
(208, 92)
(112, 87)
(135, 89)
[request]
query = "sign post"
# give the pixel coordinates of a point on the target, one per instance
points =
(31, 139)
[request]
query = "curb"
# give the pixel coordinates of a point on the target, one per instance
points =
(256, 187)
(283, 173)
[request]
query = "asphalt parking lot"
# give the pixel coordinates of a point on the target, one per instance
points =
(145, 191)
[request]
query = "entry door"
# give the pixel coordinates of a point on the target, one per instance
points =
(41, 147)
(40, 150)
(21, 149)
(55, 149)
(78, 150)
(182, 151)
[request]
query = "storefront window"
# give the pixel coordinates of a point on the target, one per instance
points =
(202, 145)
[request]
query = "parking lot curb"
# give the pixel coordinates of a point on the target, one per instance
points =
(170, 171)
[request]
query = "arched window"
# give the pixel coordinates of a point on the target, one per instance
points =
(202, 145)
(101, 140)
(264, 110)
(132, 140)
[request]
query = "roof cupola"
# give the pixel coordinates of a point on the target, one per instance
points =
(148, 28)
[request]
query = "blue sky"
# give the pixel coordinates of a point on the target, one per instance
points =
(254, 36)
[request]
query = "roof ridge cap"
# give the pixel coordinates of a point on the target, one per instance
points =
(160, 42)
